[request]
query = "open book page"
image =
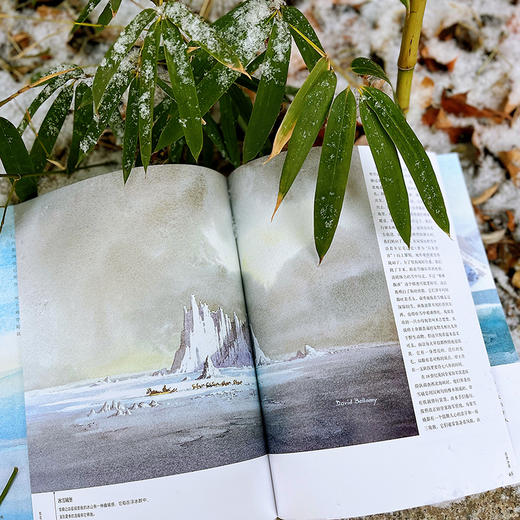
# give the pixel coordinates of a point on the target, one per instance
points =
(499, 344)
(374, 380)
(140, 393)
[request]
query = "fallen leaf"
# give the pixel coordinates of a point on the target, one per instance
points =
(457, 105)
(516, 279)
(511, 161)
(511, 224)
(493, 237)
(485, 195)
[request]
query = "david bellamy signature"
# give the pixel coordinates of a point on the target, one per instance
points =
(356, 400)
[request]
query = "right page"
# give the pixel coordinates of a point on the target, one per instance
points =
(499, 344)
(375, 384)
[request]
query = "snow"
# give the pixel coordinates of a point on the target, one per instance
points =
(209, 370)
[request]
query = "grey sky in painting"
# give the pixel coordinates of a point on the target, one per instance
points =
(292, 301)
(105, 270)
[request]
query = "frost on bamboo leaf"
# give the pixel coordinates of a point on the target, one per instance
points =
(336, 154)
(49, 130)
(389, 169)
(412, 152)
(296, 108)
(316, 107)
(203, 34)
(118, 52)
(131, 134)
(183, 87)
(270, 91)
(83, 113)
(147, 80)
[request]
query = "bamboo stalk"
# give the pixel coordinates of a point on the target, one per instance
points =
(408, 54)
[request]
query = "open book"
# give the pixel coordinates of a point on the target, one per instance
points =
(169, 352)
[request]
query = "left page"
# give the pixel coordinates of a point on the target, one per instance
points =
(140, 393)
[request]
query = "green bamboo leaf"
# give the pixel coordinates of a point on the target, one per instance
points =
(16, 159)
(83, 114)
(367, 67)
(131, 135)
(296, 108)
(117, 53)
(50, 87)
(203, 35)
(300, 25)
(271, 90)
(209, 90)
(83, 15)
(108, 14)
(49, 129)
(147, 77)
(389, 170)
(242, 103)
(183, 86)
(412, 151)
(161, 114)
(406, 3)
(218, 79)
(243, 28)
(333, 171)
(212, 131)
(8, 485)
(317, 103)
(229, 131)
(109, 102)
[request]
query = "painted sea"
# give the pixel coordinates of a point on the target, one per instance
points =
(499, 344)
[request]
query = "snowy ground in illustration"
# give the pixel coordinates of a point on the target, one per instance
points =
(104, 432)
(328, 399)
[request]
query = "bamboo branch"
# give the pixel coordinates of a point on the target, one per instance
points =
(408, 54)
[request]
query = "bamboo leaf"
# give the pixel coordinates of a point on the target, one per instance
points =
(16, 159)
(108, 14)
(209, 90)
(271, 90)
(83, 15)
(333, 171)
(219, 78)
(51, 86)
(242, 102)
(49, 129)
(83, 113)
(203, 34)
(118, 52)
(229, 131)
(317, 103)
(8, 484)
(183, 86)
(389, 170)
(130, 137)
(412, 151)
(296, 108)
(109, 102)
(367, 67)
(212, 131)
(406, 3)
(147, 77)
(301, 26)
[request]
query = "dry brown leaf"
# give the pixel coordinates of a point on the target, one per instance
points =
(515, 280)
(485, 195)
(427, 86)
(511, 161)
(511, 224)
(456, 104)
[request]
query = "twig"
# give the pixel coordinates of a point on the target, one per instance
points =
(4, 213)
